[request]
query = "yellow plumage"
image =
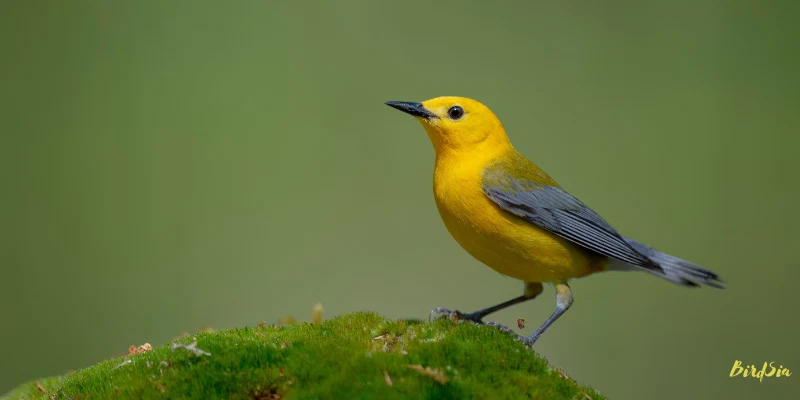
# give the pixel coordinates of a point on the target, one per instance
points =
(501, 240)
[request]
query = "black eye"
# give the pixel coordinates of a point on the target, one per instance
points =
(455, 112)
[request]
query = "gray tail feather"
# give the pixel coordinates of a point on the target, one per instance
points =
(670, 268)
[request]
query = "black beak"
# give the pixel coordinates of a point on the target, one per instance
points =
(415, 109)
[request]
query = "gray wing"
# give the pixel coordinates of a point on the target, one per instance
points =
(553, 209)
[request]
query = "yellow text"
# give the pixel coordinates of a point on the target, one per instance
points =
(768, 370)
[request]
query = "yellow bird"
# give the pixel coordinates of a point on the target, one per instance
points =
(512, 216)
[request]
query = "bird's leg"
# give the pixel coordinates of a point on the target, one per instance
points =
(563, 302)
(531, 291)
(477, 316)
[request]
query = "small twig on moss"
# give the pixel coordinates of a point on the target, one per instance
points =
(316, 313)
(124, 363)
(388, 379)
(191, 347)
(436, 374)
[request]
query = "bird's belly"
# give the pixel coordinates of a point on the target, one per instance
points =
(511, 245)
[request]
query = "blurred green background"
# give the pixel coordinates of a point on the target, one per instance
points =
(173, 165)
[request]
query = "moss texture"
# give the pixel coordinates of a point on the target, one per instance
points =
(354, 356)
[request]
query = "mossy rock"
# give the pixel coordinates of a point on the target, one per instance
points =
(354, 356)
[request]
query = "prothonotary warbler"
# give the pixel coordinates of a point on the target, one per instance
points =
(512, 216)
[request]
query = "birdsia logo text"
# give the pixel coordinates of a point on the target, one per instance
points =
(769, 370)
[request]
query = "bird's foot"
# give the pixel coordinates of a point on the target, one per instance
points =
(503, 328)
(526, 340)
(530, 340)
(455, 315)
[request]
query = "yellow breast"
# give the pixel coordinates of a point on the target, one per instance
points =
(503, 241)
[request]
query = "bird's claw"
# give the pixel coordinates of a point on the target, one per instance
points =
(526, 340)
(503, 328)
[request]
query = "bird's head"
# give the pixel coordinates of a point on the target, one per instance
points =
(456, 123)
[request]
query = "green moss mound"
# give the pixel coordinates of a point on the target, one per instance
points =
(355, 356)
